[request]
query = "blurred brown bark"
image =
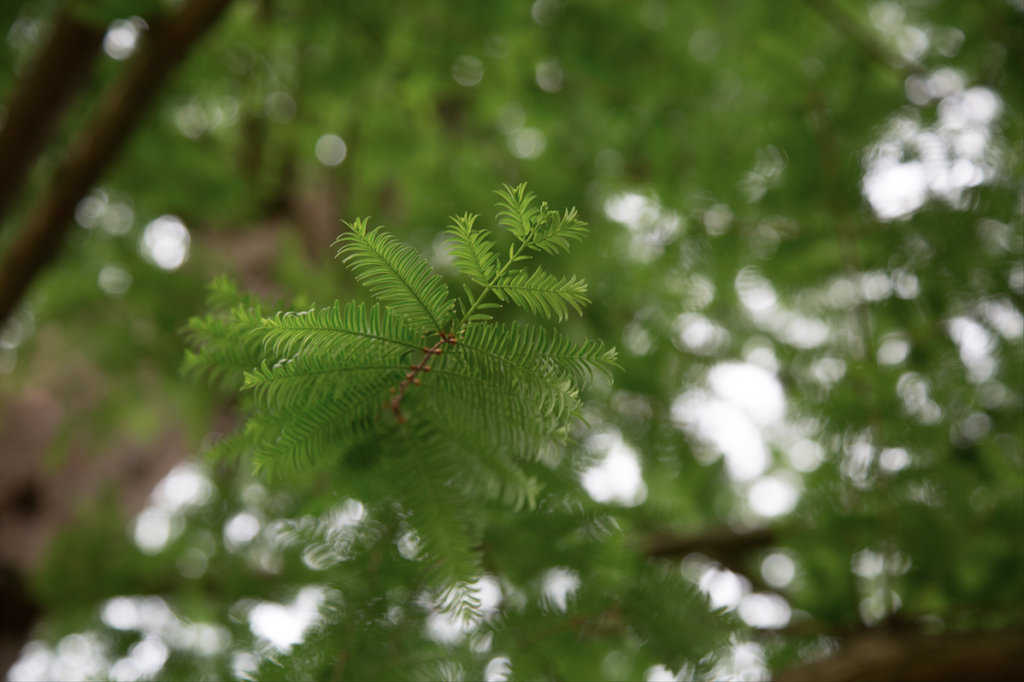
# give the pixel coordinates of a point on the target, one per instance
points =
(37, 501)
(883, 656)
(120, 108)
(724, 545)
(17, 616)
(39, 101)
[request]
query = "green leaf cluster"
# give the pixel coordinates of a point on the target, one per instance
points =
(450, 409)
(536, 229)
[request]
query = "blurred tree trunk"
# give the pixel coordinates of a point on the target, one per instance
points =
(17, 616)
(38, 501)
(34, 113)
(120, 108)
(879, 656)
(40, 99)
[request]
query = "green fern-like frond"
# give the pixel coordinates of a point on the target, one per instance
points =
(227, 343)
(421, 464)
(489, 469)
(554, 231)
(447, 413)
(398, 275)
(522, 382)
(538, 228)
(543, 294)
(473, 252)
(493, 409)
(581, 360)
(351, 330)
(299, 380)
(504, 420)
(322, 430)
(516, 214)
(223, 352)
(494, 359)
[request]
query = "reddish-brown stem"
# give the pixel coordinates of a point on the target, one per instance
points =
(412, 377)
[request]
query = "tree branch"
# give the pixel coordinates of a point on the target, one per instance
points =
(881, 656)
(868, 656)
(118, 112)
(40, 99)
(16, 617)
(724, 545)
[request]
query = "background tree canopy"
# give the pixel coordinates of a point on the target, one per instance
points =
(806, 241)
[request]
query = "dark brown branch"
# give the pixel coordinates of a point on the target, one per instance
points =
(882, 656)
(724, 545)
(37, 104)
(16, 617)
(119, 111)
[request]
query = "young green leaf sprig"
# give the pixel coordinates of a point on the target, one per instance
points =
(536, 228)
(320, 384)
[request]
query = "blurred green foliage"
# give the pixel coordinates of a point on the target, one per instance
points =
(829, 199)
